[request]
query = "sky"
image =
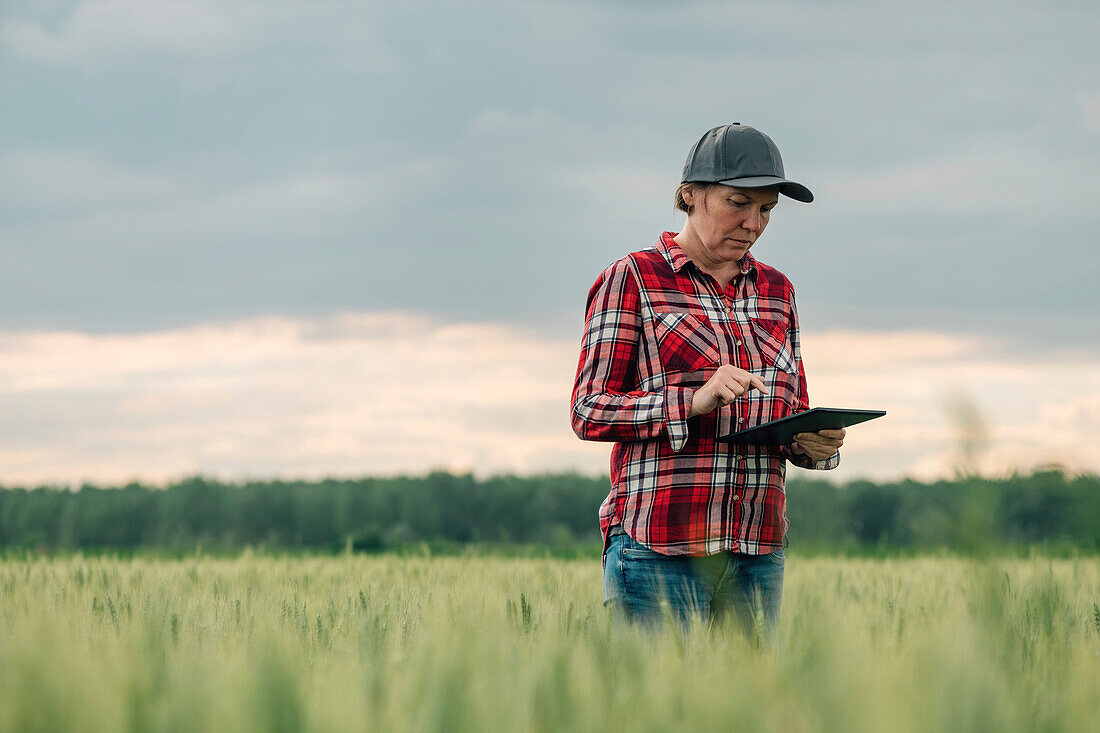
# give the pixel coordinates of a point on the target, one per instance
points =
(267, 238)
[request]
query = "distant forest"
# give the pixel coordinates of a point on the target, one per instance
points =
(442, 509)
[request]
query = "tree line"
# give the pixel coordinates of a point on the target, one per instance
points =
(376, 513)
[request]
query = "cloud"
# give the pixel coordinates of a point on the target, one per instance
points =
(499, 121)
(353, 393)
(385, 392)
(991, 177)
(79, 194)
(915, 376)
(619, 188)
(112, 31)
(1090, 109)
(53, 180)
(200, 41)
(336, 143)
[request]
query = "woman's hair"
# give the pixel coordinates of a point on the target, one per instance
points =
(698, 188)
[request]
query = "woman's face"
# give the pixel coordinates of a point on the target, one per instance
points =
(729, 220)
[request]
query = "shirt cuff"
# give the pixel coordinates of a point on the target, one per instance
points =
(677, 408)
(804, 461)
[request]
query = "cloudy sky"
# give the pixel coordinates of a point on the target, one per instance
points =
(269, 237)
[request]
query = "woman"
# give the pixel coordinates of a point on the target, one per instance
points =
(686, 341)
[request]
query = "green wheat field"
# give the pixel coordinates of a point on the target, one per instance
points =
(419, 643)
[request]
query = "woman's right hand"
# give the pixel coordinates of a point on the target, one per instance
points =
(727, 384)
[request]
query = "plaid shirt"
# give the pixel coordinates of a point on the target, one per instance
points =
(656, 329)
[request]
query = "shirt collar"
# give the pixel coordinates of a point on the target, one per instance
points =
(677, 259)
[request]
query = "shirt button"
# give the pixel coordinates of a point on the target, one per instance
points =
(729, 309)
(740, 419)
(738, 343)
(736, 497)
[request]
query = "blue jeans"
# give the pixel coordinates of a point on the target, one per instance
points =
(640, 585)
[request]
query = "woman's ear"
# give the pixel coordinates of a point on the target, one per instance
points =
(701, 194)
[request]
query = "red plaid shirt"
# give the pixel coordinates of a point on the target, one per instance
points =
(656, 329)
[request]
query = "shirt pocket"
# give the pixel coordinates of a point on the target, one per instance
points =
(774, 344)
(685, 342)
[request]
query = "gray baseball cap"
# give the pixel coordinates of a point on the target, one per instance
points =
(742, 156)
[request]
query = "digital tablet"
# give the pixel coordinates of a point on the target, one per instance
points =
(782, 431)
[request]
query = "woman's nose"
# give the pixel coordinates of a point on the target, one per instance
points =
(752, 221)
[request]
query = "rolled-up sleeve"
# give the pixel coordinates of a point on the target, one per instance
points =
(606, 407)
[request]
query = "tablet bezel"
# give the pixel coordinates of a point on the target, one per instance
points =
(808, 421)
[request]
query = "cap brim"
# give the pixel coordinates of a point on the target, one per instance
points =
(796, 191)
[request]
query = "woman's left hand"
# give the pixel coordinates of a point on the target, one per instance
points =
(818, 446)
